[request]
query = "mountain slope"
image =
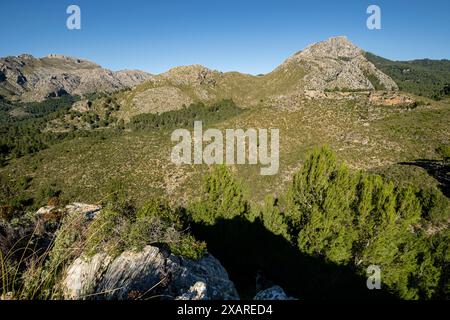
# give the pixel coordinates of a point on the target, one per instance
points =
(31, 79)
(332, 65)
(337, 64)
(429, 78)
(355, 124)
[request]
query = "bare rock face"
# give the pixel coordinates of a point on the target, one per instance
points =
(334, 65)
(192, 75)
(152, 272)
(272, 293)
(338, 64)
(31, 79)
(87, 210)
(177, 87)
(83, 275)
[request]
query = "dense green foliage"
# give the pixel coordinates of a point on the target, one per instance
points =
(186, 116)
(361, 220)
(428, 78)
(222, 198)
(353, 219)
(319, 208)
(34, 109)
(30, 134)
(25, 135)
(344, 218)
(444, 152)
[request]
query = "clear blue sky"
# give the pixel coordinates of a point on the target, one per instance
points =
(251, 36)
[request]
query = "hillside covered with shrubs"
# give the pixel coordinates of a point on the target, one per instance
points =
(425, 77)
(331, 218)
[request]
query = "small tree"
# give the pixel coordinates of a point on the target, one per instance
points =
(222, 198)
(319, 207)
(273, 219)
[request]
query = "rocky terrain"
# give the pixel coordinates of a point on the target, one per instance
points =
(334, 65)
(149, 273)
(34, 79)
(337, 64)
(60, 150)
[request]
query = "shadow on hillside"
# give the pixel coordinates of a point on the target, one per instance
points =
(437, 169)
(246, 248)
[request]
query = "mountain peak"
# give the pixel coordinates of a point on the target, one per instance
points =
(338, 64)
(335, 47)
(191, 75)
(26, 56)
(69, 59)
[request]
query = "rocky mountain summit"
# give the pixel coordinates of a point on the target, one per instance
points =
(333, 65)
(194, 75)
(337, 64)
(34, 79)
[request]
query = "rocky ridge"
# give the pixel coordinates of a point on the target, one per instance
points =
(34, 79)
(337, 64)
(333, 65)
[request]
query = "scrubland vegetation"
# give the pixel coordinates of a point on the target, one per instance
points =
(348, 218)
(342, 211)
(342, 217)
(428, 78)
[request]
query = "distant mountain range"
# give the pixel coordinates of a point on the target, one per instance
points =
(334, 65)
(31, 79)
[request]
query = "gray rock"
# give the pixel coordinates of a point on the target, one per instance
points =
(272, 293)
(88, 210)
(337, 63)
(197, 292)
(33, 79)
(83, 275)
(152, 272)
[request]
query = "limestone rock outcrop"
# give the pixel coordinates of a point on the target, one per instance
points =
(151, 272)
(272, 293)
(337, 64)
(34, 79)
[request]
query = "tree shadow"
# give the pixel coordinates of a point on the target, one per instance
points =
(247, 248)
(439, 170)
